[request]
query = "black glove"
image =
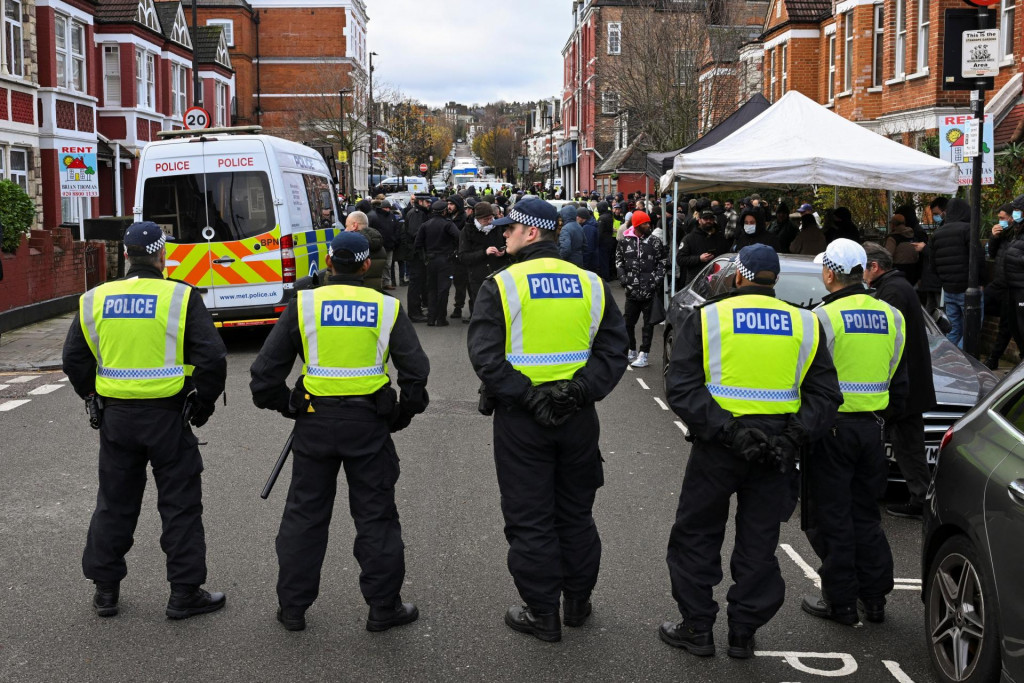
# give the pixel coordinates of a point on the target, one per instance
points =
(402, 419)
(538, 402)
(784, 449)
(749, 443)
(201, 413)
(568, 397)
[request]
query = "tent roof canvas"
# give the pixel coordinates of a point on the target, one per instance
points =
(659, 163)
(797, 141)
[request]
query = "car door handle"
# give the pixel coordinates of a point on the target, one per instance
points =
(224, 260)
(1016, 488)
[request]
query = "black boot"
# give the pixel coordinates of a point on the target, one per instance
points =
(104, 600)
(457, 313)
(678, 634)
(292, 618)
(741, 645)
(874, 609)
(575, 611)
(841, 614)
(188, 601)
(542, 625)
(992, 363)
(395, 614)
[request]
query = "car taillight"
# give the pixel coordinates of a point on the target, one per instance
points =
(287, 259)
(945, 439)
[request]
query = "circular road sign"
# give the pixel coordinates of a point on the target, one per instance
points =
(196, 118)
(423, 168)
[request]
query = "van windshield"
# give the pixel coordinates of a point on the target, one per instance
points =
(235, 204)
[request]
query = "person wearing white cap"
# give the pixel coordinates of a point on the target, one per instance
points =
(846, 469)
(751, 378)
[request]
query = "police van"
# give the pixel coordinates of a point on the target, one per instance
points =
(249, 214)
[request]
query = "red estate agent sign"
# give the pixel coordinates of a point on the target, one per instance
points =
(196, 118)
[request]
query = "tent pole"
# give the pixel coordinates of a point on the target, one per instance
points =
(675, 235)
(835, 197)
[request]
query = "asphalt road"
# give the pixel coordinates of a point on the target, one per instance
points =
(452, 526)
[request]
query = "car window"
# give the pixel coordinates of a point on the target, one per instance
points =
(724, 277)
(801, 289)
(1013, 409)
(702, 284)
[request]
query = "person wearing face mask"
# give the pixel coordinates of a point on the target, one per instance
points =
(752, 230)
(1011, 257)
(951, 262)
(640, 263)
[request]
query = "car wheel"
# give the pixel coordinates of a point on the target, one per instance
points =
(666, 353)
(959, 615)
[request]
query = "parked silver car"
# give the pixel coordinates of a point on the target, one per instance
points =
(960, 380)
(972, 556)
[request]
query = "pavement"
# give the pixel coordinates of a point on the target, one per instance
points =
(34, 347)
(455, 554)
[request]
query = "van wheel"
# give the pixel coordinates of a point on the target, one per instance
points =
(959, 615)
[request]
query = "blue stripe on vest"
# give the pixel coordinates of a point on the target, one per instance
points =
(142, 373)
(863, 387)
(773, 395)
(548, 358)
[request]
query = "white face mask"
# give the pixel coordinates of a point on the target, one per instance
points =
(750, 229)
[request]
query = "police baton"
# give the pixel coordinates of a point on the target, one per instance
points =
(278, 466)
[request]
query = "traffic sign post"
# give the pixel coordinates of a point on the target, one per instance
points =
(423, 168)
(196, 118)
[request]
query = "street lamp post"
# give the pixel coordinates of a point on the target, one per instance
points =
(369, 127)
(348, 161)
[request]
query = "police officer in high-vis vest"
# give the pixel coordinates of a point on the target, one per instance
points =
(548, 341)
(345, 411)
(847, 469)
(145, 355)
(754, 383)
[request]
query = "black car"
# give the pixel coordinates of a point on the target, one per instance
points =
(960, 381)
(972, 556)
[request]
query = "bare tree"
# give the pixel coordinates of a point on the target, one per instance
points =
(655, 79)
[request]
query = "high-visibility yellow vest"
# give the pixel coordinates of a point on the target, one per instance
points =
(346, 333)
(552, 312)
(136, 330)
(866, 338)
(757, 350)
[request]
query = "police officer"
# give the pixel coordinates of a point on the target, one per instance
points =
(753, 384)
(145, 355)
(416, 215)
(345, 411)
(847, 469)
(548, 341)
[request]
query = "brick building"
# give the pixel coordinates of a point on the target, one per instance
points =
(19, 80)
(290, 61)
(880, 63)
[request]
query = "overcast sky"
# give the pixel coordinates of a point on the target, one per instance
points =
(470, 51)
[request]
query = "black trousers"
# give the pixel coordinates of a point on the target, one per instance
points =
(765, 498)
(416, 296)
(548, 479)
(475, 283)
(460, 277)
(907, 435)
(438, 284)
(371, 468)
(131, 437)
(632, 314)
(846, 477)
(1011, 317)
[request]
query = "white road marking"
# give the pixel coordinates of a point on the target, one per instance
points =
(22, 380)
(660, 403)
(794, 660)
(897, 672)
(45, 389)
(643, 384)
(630, 368)
(4, 386)
(917, 581)
(64, 379)
(11, 405)
(808, 569)
(679, 423)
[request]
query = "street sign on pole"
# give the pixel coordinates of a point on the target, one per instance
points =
(979, 52)
(196, 118)
(423, 168)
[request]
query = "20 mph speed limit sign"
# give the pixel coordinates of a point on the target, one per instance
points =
(196, 118)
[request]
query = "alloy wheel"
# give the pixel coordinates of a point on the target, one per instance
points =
(956, 617)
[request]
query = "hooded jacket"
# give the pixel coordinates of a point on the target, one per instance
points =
(760, 236)
(951, 248)
(694, 244)
(892, 288)
(459, 219)
(640, 264)
(572, 243)
(810, 241)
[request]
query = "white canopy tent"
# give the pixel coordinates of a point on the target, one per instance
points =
(797, 141)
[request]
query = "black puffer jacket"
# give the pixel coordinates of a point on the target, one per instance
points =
(1013, 263)
(950, 248)
(640, 265)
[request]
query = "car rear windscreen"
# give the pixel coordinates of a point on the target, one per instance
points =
(235, 204)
